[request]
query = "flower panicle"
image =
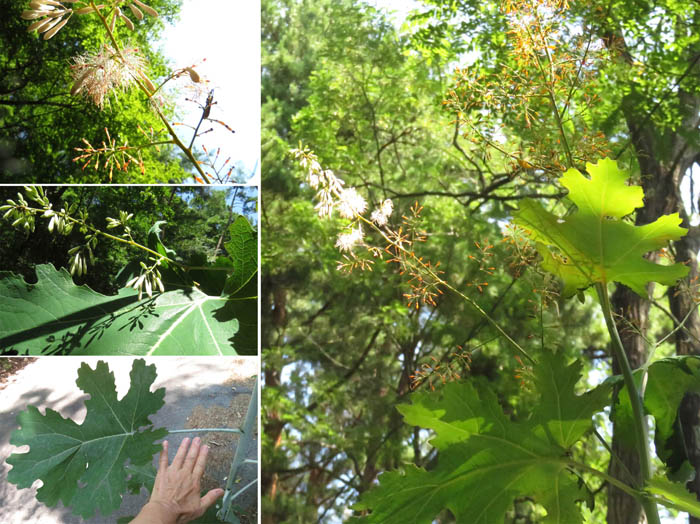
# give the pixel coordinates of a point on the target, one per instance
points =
(97, 75)
(452, 367)
(423, 277)
(111, 155)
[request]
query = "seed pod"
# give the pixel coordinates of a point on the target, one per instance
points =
(137, 12)
(55, 30)
(193, 75)
(127, 21)
(32, 15)
(146, 8)
(148, 82)
(87, 10)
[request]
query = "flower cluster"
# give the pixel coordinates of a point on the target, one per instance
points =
(331, 194)
(112, 155)
(450, 368)
(423, 277)
(49, 16)
(98, 74)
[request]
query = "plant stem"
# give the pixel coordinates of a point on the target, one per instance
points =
(549, 82)
(129, 242)
(607, 478)
(640, 422)
(205, 430)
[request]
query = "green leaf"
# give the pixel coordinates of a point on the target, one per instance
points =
(564, 415)
(662, 402)
(243, 250)
(156, 244)
(593, 244)
(673, 495)
(56, 316)
(491, 458)
(83, 465)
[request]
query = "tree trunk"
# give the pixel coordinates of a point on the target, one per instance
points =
(273, 424)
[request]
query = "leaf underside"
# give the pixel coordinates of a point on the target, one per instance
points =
(54, 316)
(593, 244)
(486, 460)
(243, 250)
(83, 465)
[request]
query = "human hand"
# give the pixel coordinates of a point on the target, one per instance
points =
(175, 497)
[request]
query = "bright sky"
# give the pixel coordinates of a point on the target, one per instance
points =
(398, 8)
(227, 34)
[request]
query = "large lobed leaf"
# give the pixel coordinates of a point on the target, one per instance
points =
(56, 316)
(486, 460)
(592, 244)
(667, 381)
(83, 465)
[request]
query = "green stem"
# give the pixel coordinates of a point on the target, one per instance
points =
(607, 478)
(128, 242)
(549, 81)
(640, 422)
(205, 430)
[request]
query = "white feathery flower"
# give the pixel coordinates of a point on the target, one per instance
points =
(97, 75)
(346, 241)
(387, 207)
(324, 208)
(378, 217)
(381, 216)
(314, 179)
(351, 203)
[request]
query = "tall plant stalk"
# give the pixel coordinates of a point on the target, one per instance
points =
(641, 428)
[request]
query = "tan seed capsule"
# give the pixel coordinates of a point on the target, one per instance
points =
(87, 10)
(146, 8)
(52, 22)
(39, 25)
(32, 15)
(137, 12)
(193, 75)
(148, 82)
(55, 30)
(127, 21)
